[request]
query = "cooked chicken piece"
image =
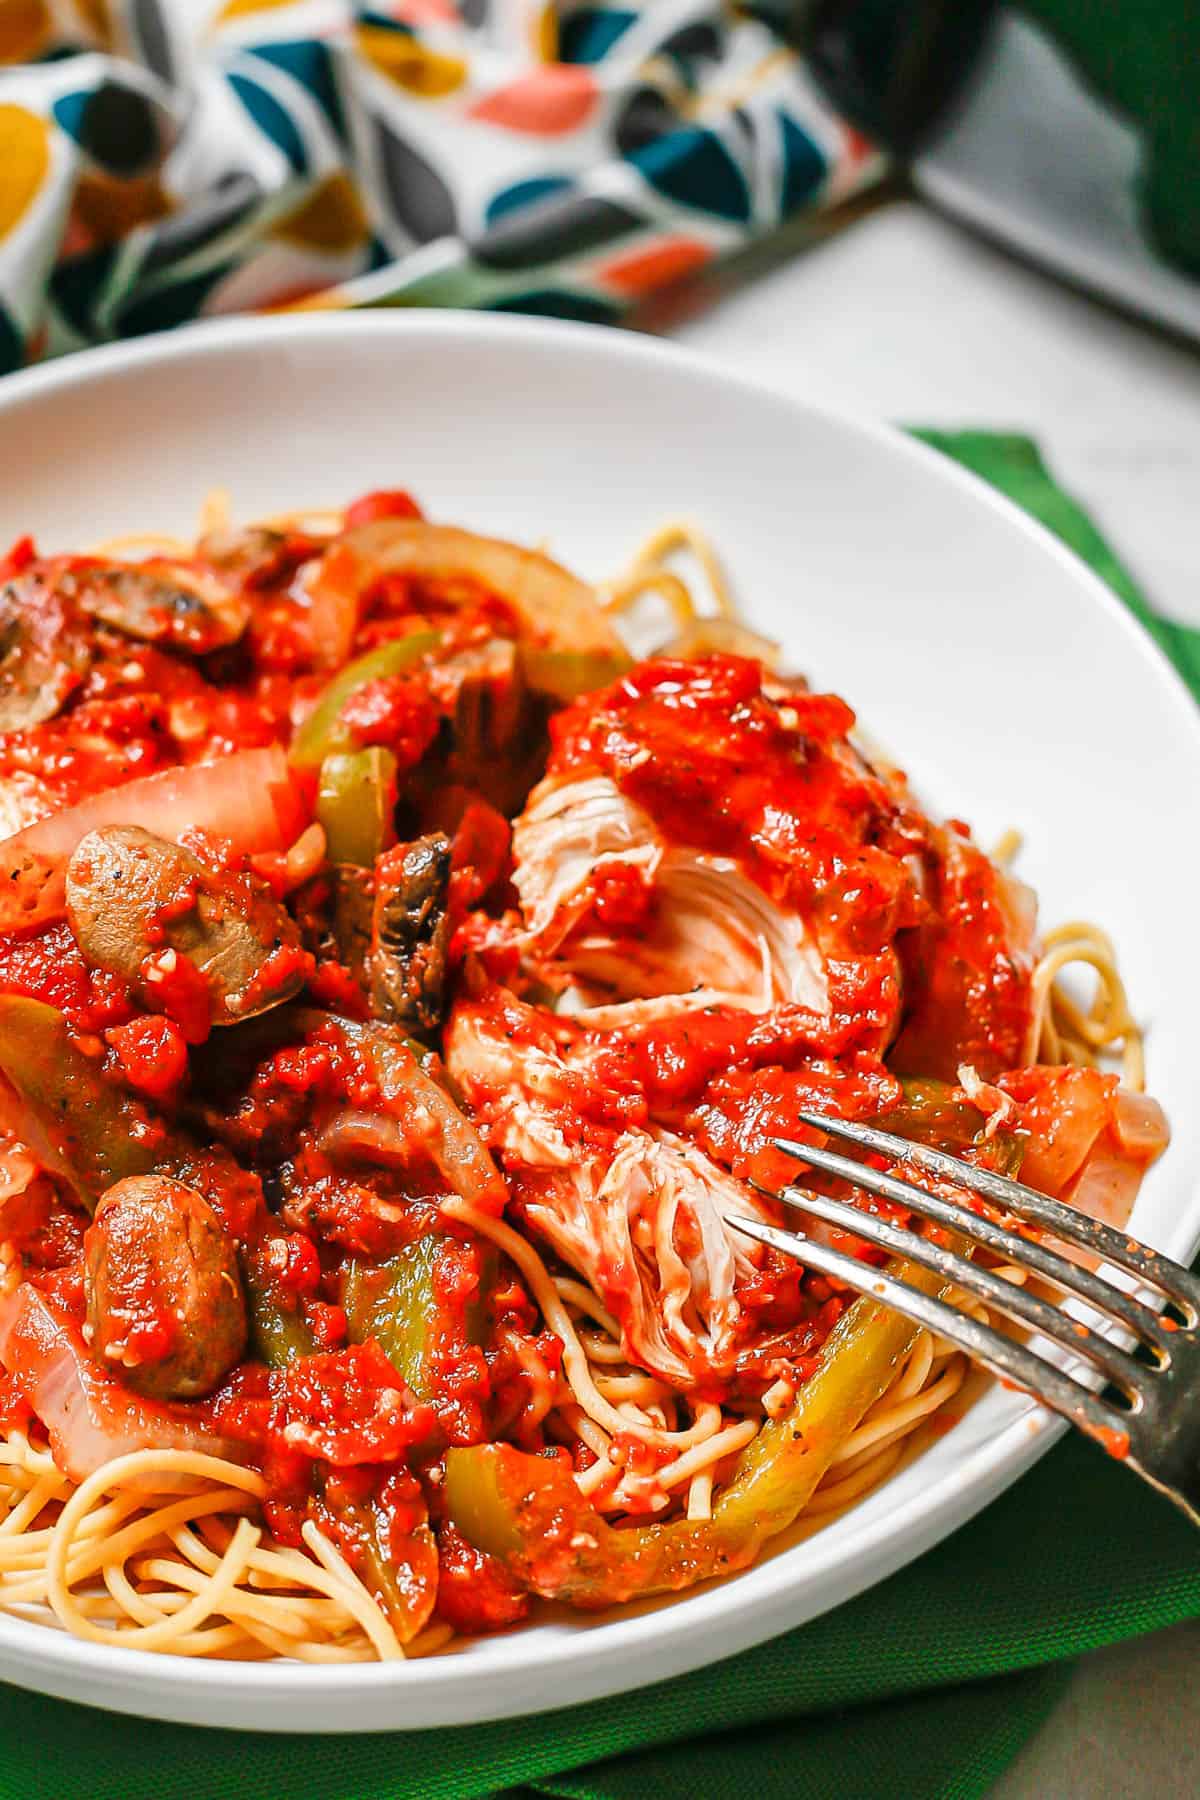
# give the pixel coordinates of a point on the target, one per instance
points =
(569, 830)
(710, 937)
(658, 1210)
(642, 1215)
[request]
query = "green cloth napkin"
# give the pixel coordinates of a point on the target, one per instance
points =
(924, 1687)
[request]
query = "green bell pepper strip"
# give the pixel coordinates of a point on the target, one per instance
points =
(85, 1129)
(563, 675)
(528, 1512)
(323, 732)
(930, 1113)
(277, 1335)
(406, 1592)
(395, 1302)
(356, 804)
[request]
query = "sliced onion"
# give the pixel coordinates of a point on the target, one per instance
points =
(553, 606)
(1141, 1126)
(24, 1193)
(90, 1418)
(1019, 903)
(418, 1116)
(248, 798)
(1106, 1186)
(333, 594)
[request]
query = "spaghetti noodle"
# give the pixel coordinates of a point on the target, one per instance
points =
(188, 1552)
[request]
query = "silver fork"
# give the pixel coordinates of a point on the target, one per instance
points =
(1149, 1414)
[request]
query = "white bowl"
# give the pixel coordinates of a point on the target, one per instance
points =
(1009, 681)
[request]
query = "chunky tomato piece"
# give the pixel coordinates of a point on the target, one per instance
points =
(47, 966)
(396, 713)
(153, 1055)
(17, 558)
(475, 1592)
(350, 1406)
(383, 503)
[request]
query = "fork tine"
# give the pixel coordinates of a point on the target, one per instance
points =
(1028, 1309)
(1012, 1362)
(1140, 1318)
(1064, 1221)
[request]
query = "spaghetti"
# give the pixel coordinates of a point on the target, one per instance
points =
(188, 1552)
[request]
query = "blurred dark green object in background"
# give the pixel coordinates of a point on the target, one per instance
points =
(896, 68)
(1143, 57)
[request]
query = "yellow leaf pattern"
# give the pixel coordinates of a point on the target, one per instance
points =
(237, 9)
(24, 160)
(331, 219)
(416, 68)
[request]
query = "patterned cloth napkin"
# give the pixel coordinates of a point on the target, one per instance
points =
(165, 160)
(923, 1688)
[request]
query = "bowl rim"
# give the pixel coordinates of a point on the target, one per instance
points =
(637, 1648)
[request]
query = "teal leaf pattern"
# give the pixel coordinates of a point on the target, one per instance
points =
(309, 63)
(692, 166)
(272, 119)
(588, 35)
(804, 167)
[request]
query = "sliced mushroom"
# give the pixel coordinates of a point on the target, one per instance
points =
(166, 1312)
(256, 556)
(44, 655)
(353, 908)
(482, 690)
(136, 902)
(159, 605)
(497, 746)
(410, 930)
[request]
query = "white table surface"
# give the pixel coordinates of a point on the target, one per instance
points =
(903, 316)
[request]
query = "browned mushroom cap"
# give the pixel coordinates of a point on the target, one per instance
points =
(159, 606)
(498, 745)
(351, 917)
(165, 1307)
(44, 653)
(133, 897)
(481, 689)
(255, 556)
(409, 934)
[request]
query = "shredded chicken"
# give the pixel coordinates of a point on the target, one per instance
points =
(658, 1211)
(641, 1215)
(713, 936)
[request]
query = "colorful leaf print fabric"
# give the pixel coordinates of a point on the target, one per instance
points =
(167, 160)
